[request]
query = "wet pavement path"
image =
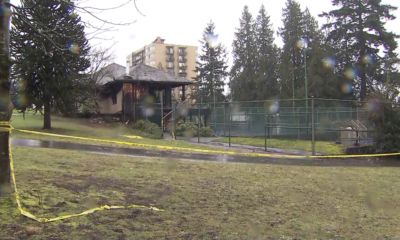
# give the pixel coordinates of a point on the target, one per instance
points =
(212, 141)
(136, 152)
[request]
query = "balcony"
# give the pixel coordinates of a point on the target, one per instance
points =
(169, 52)
(182, 59)
(182, 74)
(169, 66)
(182, 67)
(182, 52)
(170, 58)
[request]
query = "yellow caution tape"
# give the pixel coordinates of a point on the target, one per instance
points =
(6, 126)
(208, 151)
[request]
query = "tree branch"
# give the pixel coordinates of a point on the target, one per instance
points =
(137, 9)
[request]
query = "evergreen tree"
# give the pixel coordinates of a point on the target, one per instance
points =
(304, 46)
(266, 59)
(390, 82)
(321, 80)
(5, 103)
(291, 69)
(50, 51)
(242, 74)
(358, 30)
(212, 67)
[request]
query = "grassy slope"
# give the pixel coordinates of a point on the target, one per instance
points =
(328, 148)
(84, 128)
(201, 200)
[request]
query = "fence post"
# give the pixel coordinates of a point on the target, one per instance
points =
(265, 129)
(133, 112)
(162, 113)
(173, 119)
(357, 139)
(215, 120)
(298, 124)
(269, 123)
(198, 124)
(224, 121)
(312, 127)
(229, 125)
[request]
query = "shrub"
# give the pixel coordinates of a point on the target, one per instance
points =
(387, 127)
(189, 129)
(186, 129)
(147, 129)
(206, 132)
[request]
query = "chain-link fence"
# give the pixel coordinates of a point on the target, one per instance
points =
(339, 121)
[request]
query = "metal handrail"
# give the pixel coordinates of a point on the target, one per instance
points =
(175, 108)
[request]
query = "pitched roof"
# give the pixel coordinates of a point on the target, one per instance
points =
(108, 73)
(145, 73)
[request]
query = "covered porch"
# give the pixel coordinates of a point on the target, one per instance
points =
(143, 93)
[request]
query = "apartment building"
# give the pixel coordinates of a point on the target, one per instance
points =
(176, 59)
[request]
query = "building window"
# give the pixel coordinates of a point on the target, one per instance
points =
(180, 58)
(152, 63)
(170, 50)
(170, 64)
(182, 50)
(114, 98)
(152, 48)
(152, 55)
(182, 64)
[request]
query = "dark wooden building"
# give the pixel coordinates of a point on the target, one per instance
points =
(126, 93)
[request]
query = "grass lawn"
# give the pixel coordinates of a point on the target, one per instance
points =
(328, 148)
(201, 200)
(85, 128)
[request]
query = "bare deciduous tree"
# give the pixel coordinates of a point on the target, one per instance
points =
(100, 59)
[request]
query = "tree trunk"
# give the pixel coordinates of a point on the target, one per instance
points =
(47, 111)
(363, 94)
(5, 103)
(363, 74)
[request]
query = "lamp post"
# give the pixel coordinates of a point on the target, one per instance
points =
(304, 46)
(305, 71)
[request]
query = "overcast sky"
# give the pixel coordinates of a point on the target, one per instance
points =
(182, 21)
